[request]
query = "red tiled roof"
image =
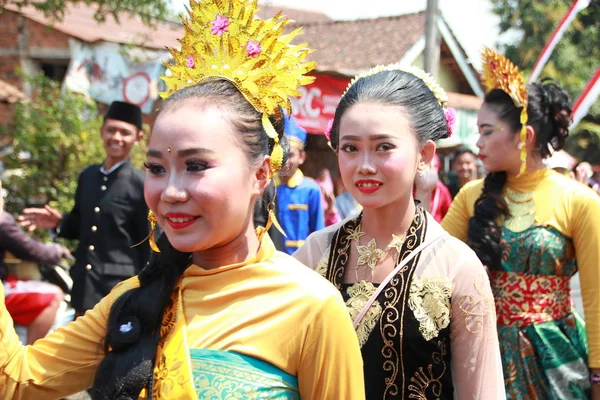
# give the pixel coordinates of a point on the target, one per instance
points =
(352, 46)
(10, 94)
(299, 16)
(79, 23)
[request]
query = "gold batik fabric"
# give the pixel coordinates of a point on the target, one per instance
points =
(173, 378)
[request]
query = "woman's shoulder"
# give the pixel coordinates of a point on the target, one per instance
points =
(472, 188)
(449, 250)
(124, 286)
(302, 278)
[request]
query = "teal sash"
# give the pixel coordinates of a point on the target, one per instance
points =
(220, 375)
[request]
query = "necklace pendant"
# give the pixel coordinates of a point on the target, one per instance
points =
(355, 233)
(369, 255)
(397, 242)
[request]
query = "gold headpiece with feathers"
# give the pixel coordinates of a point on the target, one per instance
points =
(500, 73)
(223, 39)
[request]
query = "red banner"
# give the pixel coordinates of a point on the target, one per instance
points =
(317, 102)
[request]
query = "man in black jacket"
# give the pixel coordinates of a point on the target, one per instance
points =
(109, 215)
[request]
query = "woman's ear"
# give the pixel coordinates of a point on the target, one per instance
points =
(530, 137)
(427, 153)
(263, 176)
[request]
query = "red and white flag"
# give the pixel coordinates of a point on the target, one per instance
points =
(558, 33)
(587, 98)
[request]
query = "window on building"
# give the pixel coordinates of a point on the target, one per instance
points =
(55, 70)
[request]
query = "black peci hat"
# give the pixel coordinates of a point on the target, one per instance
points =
(125, 112)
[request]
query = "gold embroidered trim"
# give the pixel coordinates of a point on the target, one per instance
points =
(359, 294)
(429, 300)
(321, 268)
(423, 380)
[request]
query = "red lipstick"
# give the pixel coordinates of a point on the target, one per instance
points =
(179, 220)
(368, 186)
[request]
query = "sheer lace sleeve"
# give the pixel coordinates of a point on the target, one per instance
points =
(316, 247)
(476, 362)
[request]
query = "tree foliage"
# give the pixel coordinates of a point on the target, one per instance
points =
(573, 61)
(54, 137)
(148, 10)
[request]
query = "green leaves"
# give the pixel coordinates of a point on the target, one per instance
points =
(576, 56)
(54, 136)
(149, 11)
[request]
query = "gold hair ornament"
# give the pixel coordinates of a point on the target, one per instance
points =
(223, 39)
(500, 73)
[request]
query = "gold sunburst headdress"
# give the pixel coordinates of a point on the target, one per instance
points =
(500, 73)
(223, 39)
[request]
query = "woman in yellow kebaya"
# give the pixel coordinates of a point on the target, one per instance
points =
(218, 313)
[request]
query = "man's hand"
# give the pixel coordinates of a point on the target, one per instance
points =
(45, 218)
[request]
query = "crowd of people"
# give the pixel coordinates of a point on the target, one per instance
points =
(225, 272)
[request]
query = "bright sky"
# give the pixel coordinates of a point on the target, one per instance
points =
(472, 21)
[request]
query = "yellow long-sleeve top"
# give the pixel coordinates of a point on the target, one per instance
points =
(565, 205)
(270, 307)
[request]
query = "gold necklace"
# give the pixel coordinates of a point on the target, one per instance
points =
(521, 208)
(370, 254)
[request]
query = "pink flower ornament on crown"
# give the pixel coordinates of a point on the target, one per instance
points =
(253, 49)
(450, 115)
(190, 62)
(219, 25)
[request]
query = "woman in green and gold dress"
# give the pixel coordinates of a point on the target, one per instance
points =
(533, 229)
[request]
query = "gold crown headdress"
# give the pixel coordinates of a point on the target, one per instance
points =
(223, 39)
(500, 73)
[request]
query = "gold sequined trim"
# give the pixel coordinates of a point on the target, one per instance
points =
(429, 300)
(321, 268)
(359, 294)
(423, 380)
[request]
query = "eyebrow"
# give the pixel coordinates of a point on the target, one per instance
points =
(180, 153)
(372, 137)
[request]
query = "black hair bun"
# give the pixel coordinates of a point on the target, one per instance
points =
(558, 108)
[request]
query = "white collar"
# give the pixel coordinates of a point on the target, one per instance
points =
(117, 165)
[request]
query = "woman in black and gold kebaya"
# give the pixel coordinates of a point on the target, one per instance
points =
(420, 299)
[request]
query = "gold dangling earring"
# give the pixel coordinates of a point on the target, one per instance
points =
(150, 238)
